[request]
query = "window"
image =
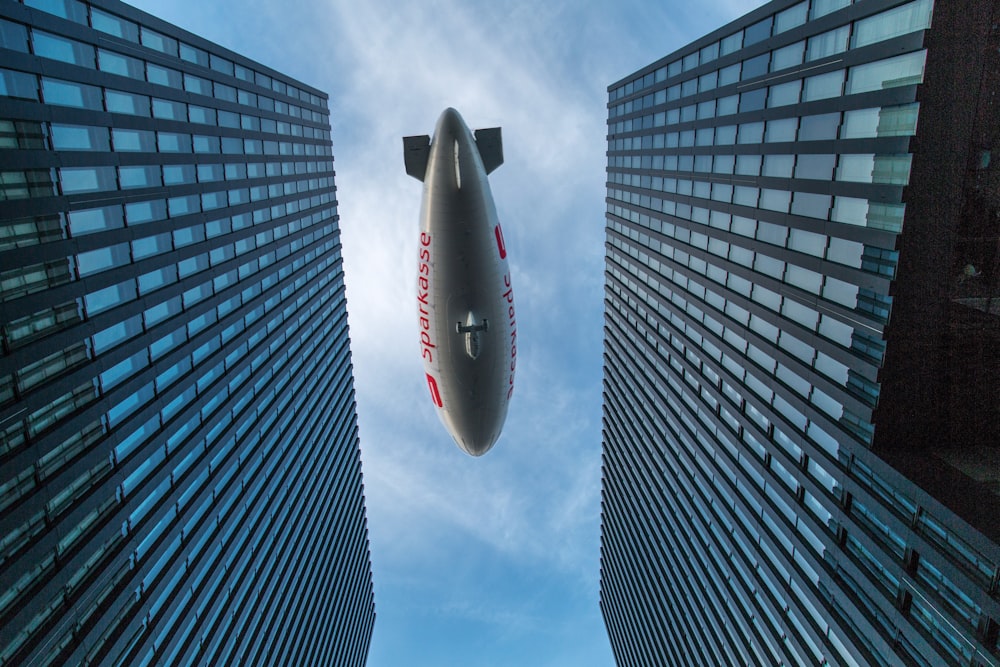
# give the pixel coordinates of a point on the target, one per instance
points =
(163, 76)
(139, 177)
(725, 135)
(753, 100)
(902, 70)
(175, 174)
(13, 36)
(829, 43)
(730, 74)
(158, 42)
(775, 200)
(173, 142)
(807, 242)
(748, 165)
(893, 169)
(815, 166)
(220, 64)
(823, 86)
(731, 44)
(154, 280)
(196, 84)
(755, 67)
(892, 23)
(127, 103)
(193, 54)
(62, 49)
(19, 85)
(133, 140)
(168, 109)
(92, 220)
(210, 172)
(109, 297)
(708, 81)
(148, 246)
(824, 7)
(145, 211)
(86, 179)
(778, 166)
(846, 252)
(791, 18)
(102, 259)
(785, 93)
(811, 205)
(818, 128)
(183, 205)
(745, 196)
(115, 63)
(79, 138)
(117, 333)
(758, 32)
(202, 115)
(69, 94)
(788, 56)
(708, 54)
(782, 129)
(856, 168)
(850, 210)
(724, 164)
(224, 92)
(204, 144)
(113, 25)
(727, 105)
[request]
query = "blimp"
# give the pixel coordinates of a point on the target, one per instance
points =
(465, 300)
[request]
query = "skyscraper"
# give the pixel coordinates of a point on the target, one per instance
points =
(801, 324)
(180, 476)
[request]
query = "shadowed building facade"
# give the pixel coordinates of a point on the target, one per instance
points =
(802, 320)
(180, 478)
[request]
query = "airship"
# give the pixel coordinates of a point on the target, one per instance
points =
(465, 301)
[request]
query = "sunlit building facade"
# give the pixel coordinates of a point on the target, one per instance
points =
(802, 318)
(180, 479)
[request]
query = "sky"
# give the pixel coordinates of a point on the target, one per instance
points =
(492, 560)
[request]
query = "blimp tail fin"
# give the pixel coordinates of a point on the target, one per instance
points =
(416, 150)
(490, 146)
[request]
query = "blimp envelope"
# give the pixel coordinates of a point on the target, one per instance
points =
(465, 300)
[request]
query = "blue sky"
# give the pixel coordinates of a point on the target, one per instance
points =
(489, 561)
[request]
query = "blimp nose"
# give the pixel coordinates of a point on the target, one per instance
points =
(450, 124)
(477, 447)
(475, 432)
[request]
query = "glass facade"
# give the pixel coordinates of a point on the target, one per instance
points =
(180, 477)
(756, 194)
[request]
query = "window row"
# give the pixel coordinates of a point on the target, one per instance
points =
(32, 278)
(830, 248)
(904, 70)
(845, 167)
(76, 180)
(838, 208)
(870, 123)
(901, 20)
(99, 139)
(111, 297)
(22, 85)
(110, 24)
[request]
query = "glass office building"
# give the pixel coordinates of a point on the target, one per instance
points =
(801, 333)
(180, 478)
